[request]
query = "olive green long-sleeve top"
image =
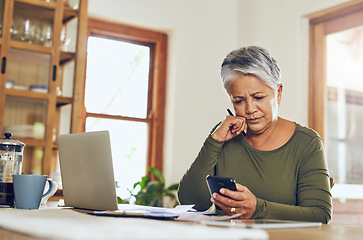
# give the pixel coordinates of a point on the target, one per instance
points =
(290, 182)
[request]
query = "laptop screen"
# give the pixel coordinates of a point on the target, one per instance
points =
(87, 170)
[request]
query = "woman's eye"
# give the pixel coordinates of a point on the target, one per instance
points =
(258, 98)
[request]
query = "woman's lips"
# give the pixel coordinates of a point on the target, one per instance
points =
(253, 120)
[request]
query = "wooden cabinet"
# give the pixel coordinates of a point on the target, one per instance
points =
(42, 55)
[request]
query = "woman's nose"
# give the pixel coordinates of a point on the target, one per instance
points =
(250, 107)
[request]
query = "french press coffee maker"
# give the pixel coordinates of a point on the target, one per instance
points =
(11, 160)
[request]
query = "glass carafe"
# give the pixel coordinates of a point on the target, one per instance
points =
(11, 160)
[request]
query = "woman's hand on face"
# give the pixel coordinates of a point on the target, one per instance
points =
(233, 202)
(230, 127)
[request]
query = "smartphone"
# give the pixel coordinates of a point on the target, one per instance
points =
(215, 183)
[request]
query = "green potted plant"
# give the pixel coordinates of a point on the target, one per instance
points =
(152, 193)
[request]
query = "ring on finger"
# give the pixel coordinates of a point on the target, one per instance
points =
(233, 210)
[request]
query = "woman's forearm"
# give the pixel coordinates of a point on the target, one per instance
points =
(193, 188)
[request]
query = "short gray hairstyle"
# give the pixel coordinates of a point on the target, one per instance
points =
(250, 60)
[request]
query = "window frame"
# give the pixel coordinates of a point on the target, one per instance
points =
(157, 41)
(337, 19)
(321, 24)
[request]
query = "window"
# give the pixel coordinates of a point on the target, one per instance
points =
(336, 94)
(125, 94)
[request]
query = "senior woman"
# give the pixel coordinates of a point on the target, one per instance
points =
(279, 165)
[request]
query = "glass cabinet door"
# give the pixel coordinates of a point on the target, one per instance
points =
(28, 70)
(33, 163)
(32, 24)
(25, 118)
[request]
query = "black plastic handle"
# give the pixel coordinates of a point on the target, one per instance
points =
(54, 73)
(3, 65)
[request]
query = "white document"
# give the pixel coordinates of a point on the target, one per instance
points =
(205, 216)
(147, 211)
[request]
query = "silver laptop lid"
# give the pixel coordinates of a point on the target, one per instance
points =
(87, 170)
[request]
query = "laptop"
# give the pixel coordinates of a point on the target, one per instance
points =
(87, 170)
(88, 178)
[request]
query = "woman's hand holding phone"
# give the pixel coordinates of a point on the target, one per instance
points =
(233, 202)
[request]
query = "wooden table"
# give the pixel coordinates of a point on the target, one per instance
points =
(326, 231)
(330, 231)
(335, 232)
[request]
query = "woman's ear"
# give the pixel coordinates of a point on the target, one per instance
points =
(279, 93)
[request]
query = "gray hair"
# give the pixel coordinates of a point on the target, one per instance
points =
(251, 60)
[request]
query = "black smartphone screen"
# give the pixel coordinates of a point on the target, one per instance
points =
(216, 183)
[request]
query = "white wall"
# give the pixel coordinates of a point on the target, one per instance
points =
(280, 26)
(201, 33)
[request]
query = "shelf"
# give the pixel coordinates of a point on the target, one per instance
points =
(61, 101)
(26, 94)
(31, 142)
(65, 57)
(69, 14)
(37, 3)
(30, 47)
